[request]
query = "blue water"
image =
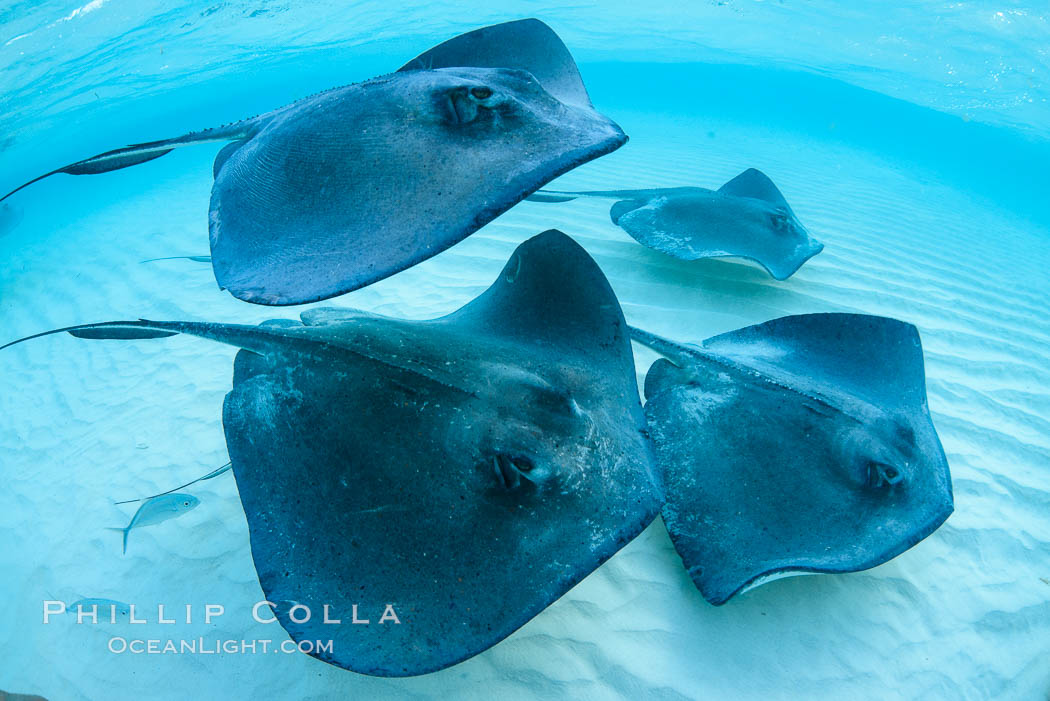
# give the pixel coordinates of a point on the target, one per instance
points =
(912, 140)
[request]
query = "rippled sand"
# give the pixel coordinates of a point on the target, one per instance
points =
(965, 614)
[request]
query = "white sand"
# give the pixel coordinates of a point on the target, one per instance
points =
(965, 614)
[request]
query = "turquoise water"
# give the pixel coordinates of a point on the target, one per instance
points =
(911, 141)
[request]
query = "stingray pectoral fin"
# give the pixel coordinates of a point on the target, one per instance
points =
(755, 184)
(552, 293)
(783, 268)
(526, 44)
(141, 153)
(874, 357)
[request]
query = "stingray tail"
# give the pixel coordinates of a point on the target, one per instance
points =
(674, 352)
(211, 475)
(552, 196)
(195, 259)
(569, 196)
(261, 339)
(141, 153)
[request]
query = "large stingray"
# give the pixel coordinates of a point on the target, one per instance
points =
(746, 218)
(803, 444)
(341, 189)
(466, 471)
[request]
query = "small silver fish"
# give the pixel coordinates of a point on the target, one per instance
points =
(158, 510)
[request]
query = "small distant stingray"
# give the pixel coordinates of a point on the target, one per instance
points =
(211, 475)
(195, 259)
(466, 471)
(349, 186)
(803, 444)
(746, 218)
(158, 510)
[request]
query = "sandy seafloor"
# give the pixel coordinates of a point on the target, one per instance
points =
(963, 615)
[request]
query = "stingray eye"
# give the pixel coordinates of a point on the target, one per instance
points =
(882, 475)
(517, 472)
(523, 463)
(779, 221)
(481, 92)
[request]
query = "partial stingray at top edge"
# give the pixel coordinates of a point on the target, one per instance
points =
(351, 185)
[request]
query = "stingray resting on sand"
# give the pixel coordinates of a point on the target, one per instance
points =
(745, 218)
(346, 187)
(803, 444)
(460, 473)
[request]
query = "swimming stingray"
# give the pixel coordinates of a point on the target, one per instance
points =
(466, 471)
(349, 186)
(747, 218)
(803, 444)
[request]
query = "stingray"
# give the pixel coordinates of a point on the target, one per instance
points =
(803, 444)
(745, 218)
(464, 471)
(347, 187)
